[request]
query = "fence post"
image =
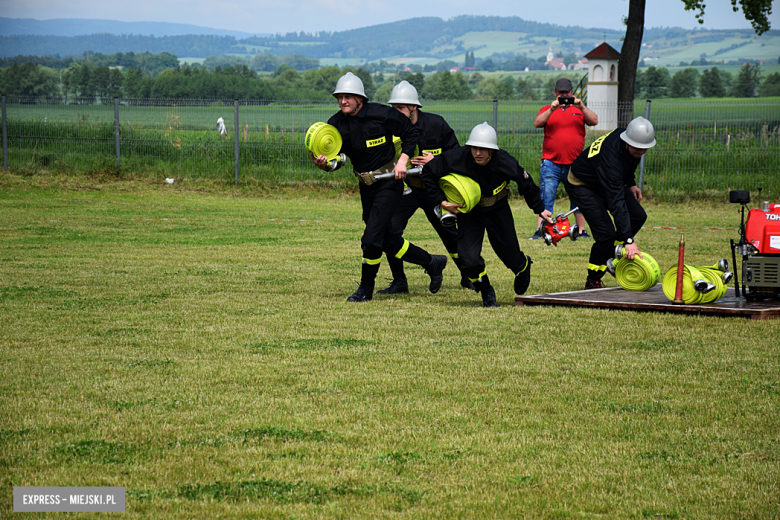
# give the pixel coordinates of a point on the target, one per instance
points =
(5, 138)
(495, 115)
(235, 134)
(116, 134)
(643, 160)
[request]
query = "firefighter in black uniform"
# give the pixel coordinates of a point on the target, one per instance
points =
(436, 137)
(367, 131)
(601, 182)
(482, 161)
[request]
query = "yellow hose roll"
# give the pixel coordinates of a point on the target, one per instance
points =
(690, 275)
(638, 274)
(398, 144)
(461, 190)
(323, 139)
(714, 277)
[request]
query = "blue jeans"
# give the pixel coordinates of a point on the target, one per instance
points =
(550, 176)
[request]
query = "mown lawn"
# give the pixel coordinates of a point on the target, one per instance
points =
(192, 343)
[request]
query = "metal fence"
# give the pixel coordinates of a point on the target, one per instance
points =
(704, 146)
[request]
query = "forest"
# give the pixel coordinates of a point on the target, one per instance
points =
(88, 79)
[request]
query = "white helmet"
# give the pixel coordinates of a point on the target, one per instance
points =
(404, 94)
(483, 136)
(349, 84)
(639, 133)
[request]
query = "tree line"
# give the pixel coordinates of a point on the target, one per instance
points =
(90, 80)
(656, 83)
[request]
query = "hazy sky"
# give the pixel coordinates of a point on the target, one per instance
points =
(272, 16)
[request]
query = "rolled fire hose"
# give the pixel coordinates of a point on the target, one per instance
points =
(461, 190)
(710, 282)
(323, 139)
(690, 276)
(638, 274)
(714, 277)
(398, 144)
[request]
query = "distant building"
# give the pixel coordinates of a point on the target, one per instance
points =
(603, 85)
(453, 70)
(555, 63)
(580, 65)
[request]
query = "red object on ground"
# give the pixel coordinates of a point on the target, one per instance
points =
(680, 272)
(556, 231)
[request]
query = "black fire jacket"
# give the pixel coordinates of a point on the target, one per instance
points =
(492, 178)
(367, 138)
(607, 167)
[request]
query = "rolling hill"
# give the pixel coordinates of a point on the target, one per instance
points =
(428, 40)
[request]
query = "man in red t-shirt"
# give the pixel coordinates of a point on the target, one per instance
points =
(564, 123)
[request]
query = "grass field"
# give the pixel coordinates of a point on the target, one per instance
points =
(705, 147)
(191, 343)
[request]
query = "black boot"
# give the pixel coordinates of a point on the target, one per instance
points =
(396, 287)
(464, 280)
(434, 270)
(466, 283)
(361, 295)
(488, 296)
(483, 287)
(523, 278)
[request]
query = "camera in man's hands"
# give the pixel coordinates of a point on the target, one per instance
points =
(566, 100)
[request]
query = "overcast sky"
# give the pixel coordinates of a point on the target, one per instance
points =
(272, 16)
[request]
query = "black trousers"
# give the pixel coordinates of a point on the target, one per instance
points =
(379, 202)
(593, 205)
(500, 227)
(420, 199)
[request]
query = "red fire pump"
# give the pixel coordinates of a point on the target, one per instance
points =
(759, 245)
(559, 228)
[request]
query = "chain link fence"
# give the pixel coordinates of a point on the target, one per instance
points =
(704, 146)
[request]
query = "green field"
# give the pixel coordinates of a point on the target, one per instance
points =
(662, 53)
(705, 147)
(191, 343)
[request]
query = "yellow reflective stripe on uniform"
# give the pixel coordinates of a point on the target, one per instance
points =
(501, 187)
(595, 148)
(437, 151)
(618, 242)
(376, 142)
(401, 252)
(594, 267)
(372, 261)
(453, 255)
(479, 278)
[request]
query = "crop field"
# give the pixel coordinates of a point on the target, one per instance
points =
(192, 344)
(703, 147)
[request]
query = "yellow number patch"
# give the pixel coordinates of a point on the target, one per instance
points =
(595, 148)
(376, 142)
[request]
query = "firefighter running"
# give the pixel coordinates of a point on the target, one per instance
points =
(436, 137)
(367, 131)
(601, 182)
(492, 169)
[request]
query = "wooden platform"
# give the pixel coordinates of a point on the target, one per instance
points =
(654, 300)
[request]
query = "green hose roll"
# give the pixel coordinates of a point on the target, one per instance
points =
(690, 275)
(638, 274)
(461, 190)
(323, 139)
